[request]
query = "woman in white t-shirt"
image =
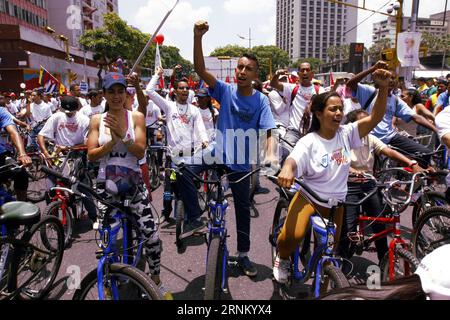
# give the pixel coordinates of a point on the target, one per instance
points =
(322, 159)
(117, 140)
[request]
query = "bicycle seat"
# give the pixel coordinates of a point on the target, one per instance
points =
(17, 213)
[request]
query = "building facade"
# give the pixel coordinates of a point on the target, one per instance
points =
(32, 14)
(306, 28)
(386, 29)
(73, 17)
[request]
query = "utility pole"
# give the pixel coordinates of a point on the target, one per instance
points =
(413, 28)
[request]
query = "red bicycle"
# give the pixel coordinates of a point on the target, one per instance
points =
(64, 205)
(398, 261)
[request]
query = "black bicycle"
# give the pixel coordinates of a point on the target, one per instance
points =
(31, 251)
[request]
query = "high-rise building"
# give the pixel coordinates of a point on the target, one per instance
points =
(31, 14)
(386, 29)
(74, 17)
(306, 28)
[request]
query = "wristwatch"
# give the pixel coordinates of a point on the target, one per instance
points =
(128, 141)
(413, 163)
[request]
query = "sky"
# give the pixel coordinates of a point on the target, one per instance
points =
(229, 19)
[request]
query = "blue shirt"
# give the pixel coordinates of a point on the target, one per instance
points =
(240, 121)
(395, 107)
(6, 119)
(443, 100)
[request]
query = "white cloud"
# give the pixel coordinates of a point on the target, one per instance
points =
(245, 7)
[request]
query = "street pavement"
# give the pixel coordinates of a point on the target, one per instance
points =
(183, 273)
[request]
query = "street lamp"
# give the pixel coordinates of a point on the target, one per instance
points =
(249, 38)
(398, 8)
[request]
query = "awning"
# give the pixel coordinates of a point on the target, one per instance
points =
(430, 73)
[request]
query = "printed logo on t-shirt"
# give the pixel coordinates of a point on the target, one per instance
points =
(243, 114)
(324, 161)
(341, 157)
(72, 127)
(183, 118)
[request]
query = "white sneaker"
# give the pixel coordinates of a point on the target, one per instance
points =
(281, 269)
(96, 225)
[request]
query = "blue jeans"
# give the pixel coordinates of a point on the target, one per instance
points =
(241, 196)
(33, 135)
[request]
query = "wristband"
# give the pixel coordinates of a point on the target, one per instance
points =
(413, 163)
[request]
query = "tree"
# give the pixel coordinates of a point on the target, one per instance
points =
(376, 49)
(270, 57)
(117, 39)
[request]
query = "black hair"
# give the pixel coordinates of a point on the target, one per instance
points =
(257, 85)
(415, 95)
(72, 86)
(253, 57)
(183, 79)
(442, 81)
(317, 104)
(92, 93)
(353, 116)
(406, 288)
(422, 79)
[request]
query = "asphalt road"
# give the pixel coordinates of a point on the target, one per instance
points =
(183, 274)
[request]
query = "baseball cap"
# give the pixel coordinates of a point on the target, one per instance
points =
(70, 104)
(434, 274)
(113, 78)
(202, 93)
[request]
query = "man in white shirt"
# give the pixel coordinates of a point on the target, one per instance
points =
(75, 91)
(67, 128)
(38, 112)
(208, 112)
(298, 98)
(185, 128)
(95, 107)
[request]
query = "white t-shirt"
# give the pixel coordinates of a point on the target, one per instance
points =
(88, 111)
(153, 114)
(66, 131)
(185, 128)
(349, 106)
(191, 98)
(442, 122)
(55, 104)
(324, 164)
(40, 112)
(83, 102)
(208, 121)
(301, 101)
(279, 108)
(12, 108)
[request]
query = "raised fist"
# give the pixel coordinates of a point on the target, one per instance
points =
(200, 28)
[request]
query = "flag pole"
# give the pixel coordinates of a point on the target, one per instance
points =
(147, 46)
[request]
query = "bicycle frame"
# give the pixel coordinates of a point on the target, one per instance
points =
(109, 252)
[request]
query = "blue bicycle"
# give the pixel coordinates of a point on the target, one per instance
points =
(323, 264)
(118, 275)
(216, 237)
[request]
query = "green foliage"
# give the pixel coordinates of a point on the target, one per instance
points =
(270, 57)
(117, 38)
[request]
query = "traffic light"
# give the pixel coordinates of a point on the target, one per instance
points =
(72, 77)
(387, 55)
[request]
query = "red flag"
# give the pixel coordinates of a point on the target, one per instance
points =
(227, 80)
(331, 78)
(235, 80)
(191, 83)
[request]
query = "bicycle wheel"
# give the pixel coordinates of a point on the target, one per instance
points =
(120, 282)
(431, 231)
(331, 278)
(403, 260)
(179, 219)
(214, 269)
(41, 259)
(55, 209)
(37, 181)
(277, 224)
(432, 199)
(155, 182)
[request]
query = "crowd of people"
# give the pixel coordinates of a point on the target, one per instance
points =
(319, 134)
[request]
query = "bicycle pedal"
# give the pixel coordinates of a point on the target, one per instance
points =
(233, 264)
(99, 253)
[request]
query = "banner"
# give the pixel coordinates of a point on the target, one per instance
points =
(158, 63)
(408, 48)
